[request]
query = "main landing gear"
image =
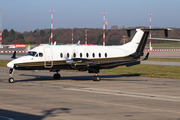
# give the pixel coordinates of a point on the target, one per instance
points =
(57, 76)
(96, 77)
(11, 79)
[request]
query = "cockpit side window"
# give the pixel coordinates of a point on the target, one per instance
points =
(36, 55)
(31, 53)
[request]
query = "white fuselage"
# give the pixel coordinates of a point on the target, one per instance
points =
(50, 55)
(60, 53)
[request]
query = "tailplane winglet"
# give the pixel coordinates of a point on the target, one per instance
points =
(147, 56)
(165, 31)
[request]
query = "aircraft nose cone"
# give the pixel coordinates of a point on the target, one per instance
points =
(10, 65)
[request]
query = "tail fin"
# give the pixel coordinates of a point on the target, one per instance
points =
(139, 40)
(142, 42)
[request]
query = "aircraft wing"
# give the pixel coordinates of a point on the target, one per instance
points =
(82, 62)
(79, 61)
(115, 64)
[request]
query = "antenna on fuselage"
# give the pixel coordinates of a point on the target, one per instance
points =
(78, 43)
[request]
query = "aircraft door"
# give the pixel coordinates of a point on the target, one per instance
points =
(48, 62)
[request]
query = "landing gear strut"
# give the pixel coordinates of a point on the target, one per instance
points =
(57, 75)
(11, 79)
(96, 77)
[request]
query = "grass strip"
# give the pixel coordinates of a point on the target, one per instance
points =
(164, 59)
(3, 63)
(159, 71)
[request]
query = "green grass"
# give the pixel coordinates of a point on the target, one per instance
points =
(159, 71)
(3, 63)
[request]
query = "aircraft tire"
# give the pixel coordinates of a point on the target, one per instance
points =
(96, 78)
(11, 80)
(57, 76)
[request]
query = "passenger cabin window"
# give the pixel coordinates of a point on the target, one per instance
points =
(87, 55)
(81, 55)
(74, 55)
(61, 55)
(105, 55)
(40, 55)
(67, 55)
(93, 55)
(99, 54)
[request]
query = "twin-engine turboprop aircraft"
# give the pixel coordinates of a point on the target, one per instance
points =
(83, 57)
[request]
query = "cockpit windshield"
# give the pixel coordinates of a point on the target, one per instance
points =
(31, 53)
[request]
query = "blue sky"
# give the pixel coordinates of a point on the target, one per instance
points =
(28, 15)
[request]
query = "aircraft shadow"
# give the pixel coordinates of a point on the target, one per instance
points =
(7, 114)
(81, 78)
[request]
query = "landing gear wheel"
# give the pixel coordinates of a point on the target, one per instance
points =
(11, 80)
(57, 76)
(96, 78)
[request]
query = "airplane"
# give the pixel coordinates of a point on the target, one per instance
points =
(83, 57)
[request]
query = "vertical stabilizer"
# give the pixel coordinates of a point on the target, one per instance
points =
(137, 41)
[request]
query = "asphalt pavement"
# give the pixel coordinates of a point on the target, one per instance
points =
(37, 96)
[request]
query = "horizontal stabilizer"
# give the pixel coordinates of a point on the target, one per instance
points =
(165, 31)
(164, 39)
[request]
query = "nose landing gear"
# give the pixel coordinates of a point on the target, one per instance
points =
(57, 76)
(11, 79)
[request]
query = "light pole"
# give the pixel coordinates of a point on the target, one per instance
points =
(124, 38)
(52, 25)
(0, 29)
(104, 27)
(150, 48)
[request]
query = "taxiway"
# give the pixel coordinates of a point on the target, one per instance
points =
(35, 95)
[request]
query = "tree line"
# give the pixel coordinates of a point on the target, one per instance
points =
(64, 35)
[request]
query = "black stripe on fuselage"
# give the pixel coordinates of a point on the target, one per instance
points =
(143, 42)
(61, 64)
